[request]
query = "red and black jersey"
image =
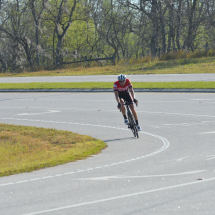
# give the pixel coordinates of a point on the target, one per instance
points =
(122, 89)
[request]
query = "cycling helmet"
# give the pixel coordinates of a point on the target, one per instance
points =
(122, 77)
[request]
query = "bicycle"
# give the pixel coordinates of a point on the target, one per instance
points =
(132, 125)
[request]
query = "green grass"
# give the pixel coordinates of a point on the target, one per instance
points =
(25, 149)
(175, 85)
(109, 85)
(133, 66)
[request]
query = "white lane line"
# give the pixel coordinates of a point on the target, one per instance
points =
(153, 126)
(210, 157)
(31, 114)
(210, 132)
(180, 114)
(180, 159)
(122, 196)
(104, 110)
(177, 160)
(138, 176)
(108, 110)
(203, 99)
(165, 146)
(203, 123)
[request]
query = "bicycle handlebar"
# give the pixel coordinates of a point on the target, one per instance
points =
(128, 103)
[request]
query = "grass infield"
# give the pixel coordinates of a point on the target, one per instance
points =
(132, 66)
(109, 85)
(25, 148)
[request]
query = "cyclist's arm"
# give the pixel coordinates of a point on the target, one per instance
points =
(132, 92)
(117, 96)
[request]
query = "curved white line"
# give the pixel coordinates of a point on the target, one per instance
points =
(166, 145)
(120, 197)
(137, 176)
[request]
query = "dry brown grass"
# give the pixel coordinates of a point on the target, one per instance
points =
(24, 149)
(174, 62)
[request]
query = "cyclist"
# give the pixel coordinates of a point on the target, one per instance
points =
(122, 94)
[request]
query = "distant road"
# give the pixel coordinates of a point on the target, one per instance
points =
(111, 78)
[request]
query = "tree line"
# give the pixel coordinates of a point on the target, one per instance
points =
(46, 33)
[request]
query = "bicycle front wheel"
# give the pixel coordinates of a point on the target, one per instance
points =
(133, 125)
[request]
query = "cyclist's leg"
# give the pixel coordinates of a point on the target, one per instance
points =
(122, 106)
(133, 111)
(123, 109)
(129, 99)
(135, 116)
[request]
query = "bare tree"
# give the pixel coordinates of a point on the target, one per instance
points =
(16, 29)
(171, 27)
(178, 22)
(37, 8)
(195, 15)
(62, 15)
(113, 22)
(155, 11)
(210, 5)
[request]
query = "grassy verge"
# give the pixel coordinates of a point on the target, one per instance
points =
(175, 85)
(109, 85)
(24, 149)
(140, 66)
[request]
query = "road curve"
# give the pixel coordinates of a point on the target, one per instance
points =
(168, 170)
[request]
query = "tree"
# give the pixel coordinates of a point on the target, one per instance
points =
(15, 26)
(155, 11)
(113, 22)
(37, 8)
(62, 14)
(196, 15)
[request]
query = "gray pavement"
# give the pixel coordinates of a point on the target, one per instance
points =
(108, 90)
(168, 170)
(112, 78)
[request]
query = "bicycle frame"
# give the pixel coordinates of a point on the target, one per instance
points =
(132, 125)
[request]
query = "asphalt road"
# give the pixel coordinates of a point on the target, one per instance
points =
(168, 170)
(112, 78)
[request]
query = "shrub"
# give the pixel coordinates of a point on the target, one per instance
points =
(147, 59)
(211, 53)
(173, 55)
(196, 54)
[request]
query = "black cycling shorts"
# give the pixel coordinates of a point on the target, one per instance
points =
(126, 97)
